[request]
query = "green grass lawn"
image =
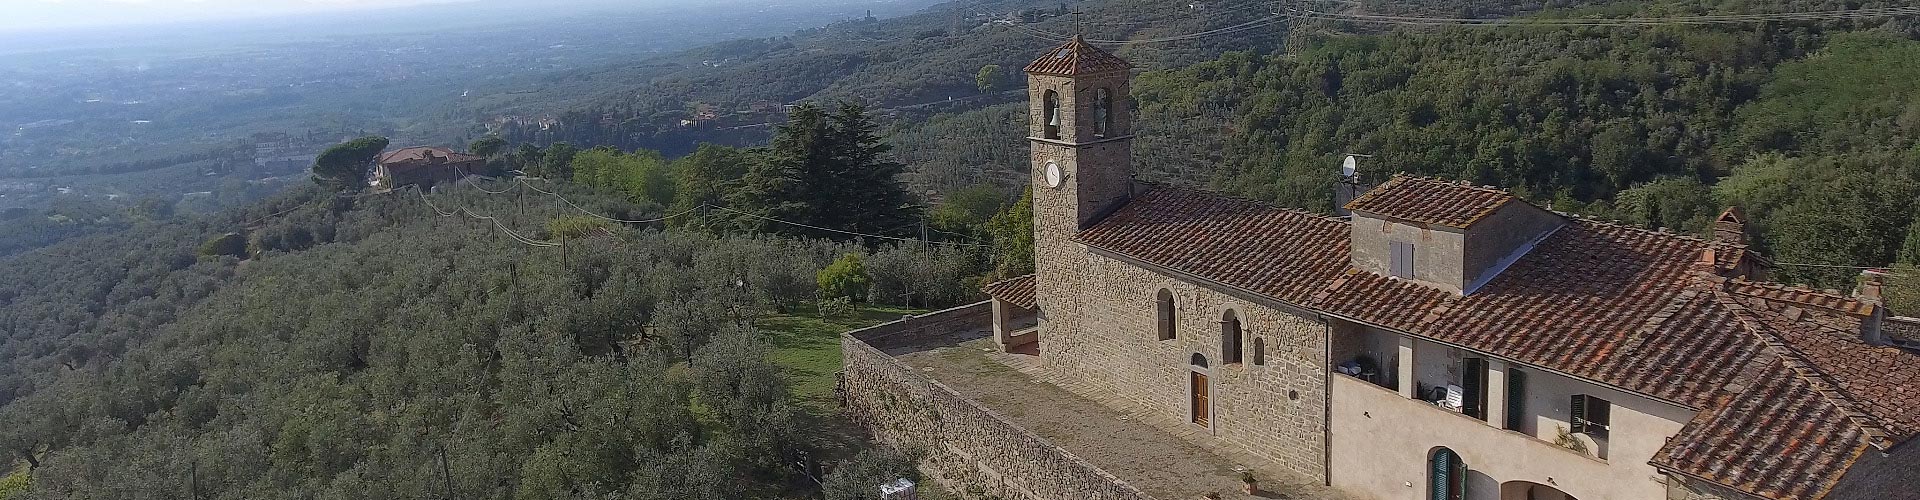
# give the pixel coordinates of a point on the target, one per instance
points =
(807, 348)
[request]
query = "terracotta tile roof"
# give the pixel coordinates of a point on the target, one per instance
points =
(1778, 440)
(1823, 398)
(1646, 311)
(1602, 301)
(1077, 57)
(1802, 296)
(1017, 291)
(1285, 254)
(1431, 201)
(425, 154)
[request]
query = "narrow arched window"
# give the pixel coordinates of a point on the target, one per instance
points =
(1260, 351)
(1050, 107)
(1163, 307)
(1102, 112)
(1230, 351)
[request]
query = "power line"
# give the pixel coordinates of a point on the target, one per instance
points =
(1246, 26)
(1205, 14)
(583, 210)
(854, 233)
(1612, 22)
(726, 209)
(496, 222)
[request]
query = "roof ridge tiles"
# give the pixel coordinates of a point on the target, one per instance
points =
(1181, 190)
(1806, 370)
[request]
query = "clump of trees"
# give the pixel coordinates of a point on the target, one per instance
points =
(344, 166)
(829, 170)
(409, 354)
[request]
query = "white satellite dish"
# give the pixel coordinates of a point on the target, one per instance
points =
(1350, 166)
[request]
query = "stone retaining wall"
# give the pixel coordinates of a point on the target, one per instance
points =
(968, 448)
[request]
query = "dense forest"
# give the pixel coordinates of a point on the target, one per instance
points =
(1810, 131)
(1809, 127)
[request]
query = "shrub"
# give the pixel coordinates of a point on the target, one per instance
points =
(836, 308)
(861, 477)
(230, 244)
(15, 485)
(846, 278)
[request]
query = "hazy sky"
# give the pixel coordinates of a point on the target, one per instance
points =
(54, 14)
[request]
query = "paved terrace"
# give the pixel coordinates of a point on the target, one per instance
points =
(1155, 453)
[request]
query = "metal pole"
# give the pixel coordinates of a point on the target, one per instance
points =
(446, 474)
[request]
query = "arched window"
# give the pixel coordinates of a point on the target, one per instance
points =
(1230, 338)
(1102, 112)
(1163, 305)
(1447, 476)
(1051, 109)
(1260, 351)
(1199, 360)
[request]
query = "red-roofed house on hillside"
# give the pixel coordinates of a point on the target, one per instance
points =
(1445, 342)
(424, 166)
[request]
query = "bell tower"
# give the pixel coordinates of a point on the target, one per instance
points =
(1081, 133)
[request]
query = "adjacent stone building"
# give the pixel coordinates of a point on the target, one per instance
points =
(1446, 341)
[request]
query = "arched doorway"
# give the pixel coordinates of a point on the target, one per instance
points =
(1526, 490)
(1200, 401)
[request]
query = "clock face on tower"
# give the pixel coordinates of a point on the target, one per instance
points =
(1054, 175)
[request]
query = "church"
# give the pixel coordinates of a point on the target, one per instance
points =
(1441, 341)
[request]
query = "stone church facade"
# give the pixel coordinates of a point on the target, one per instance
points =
(1443, 342)
(1091, 301)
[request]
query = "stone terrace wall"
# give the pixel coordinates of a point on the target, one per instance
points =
(968, 448)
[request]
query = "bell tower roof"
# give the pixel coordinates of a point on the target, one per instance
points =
(1077, 57)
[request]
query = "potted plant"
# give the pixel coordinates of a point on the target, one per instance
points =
(1251, 485)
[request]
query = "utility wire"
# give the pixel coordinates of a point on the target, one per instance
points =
(583, 210)
(895, 238)
(1205, 14)
(1249, 25)
(726, 209)
(1607, 22)
(496, 222)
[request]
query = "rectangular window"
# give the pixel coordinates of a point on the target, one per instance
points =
(1400, 260)
(1516, 400)
(1591, 415)
(1473, 385)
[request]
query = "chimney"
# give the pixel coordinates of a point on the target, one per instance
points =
(1873, 282)
(1731, 227)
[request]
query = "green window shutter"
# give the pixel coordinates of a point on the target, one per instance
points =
(1577, 422)
(1599, 415)
(1516, 399)
(1442, 471)
(1473, 383)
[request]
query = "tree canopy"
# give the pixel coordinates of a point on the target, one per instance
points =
(344, 166)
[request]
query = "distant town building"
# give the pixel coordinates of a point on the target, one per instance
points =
(424, 166)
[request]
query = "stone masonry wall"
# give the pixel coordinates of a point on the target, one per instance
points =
(969, 449)
(1099, 328)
